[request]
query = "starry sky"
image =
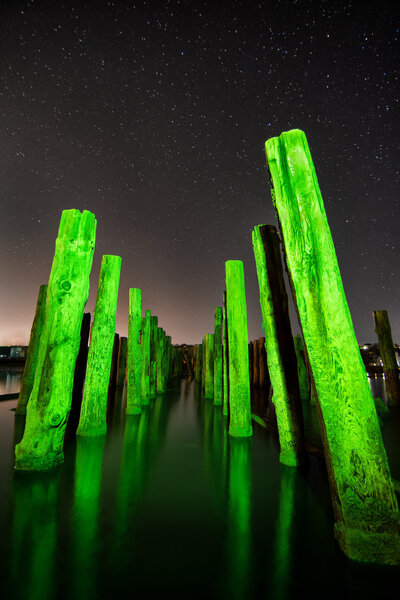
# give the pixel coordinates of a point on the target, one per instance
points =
(154, 115)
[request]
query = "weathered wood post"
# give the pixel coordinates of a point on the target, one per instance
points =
(160, 360)
(225, 355)
(281, 355)
(301, 368)
(121, 362)
(113, 372)
(203, 362)
(153, 355)
(41, 447)
(239, 378)
(145, 354)
(168, 359)
(209, 367)
(365, 506)
(199, 363)
(218, 356)
(256, 363)
(263, 369)
(386, 349)
(33, 352)
(93, 420)
(134, 358)
(79, 378)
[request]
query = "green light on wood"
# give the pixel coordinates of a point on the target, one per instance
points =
(42, 445)
(145, 353)
(364, 502)
(239, 381)
(94, 404)
(134, 361)
(209, 367)
(218, 356)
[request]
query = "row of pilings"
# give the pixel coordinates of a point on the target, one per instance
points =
(323, 364)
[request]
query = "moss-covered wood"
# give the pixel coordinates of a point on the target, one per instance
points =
(93, 420)
(41, 447)
(281, 355)
(33, 352)
(134, 356)
(239, 377)
(364, 502)
(386, 349)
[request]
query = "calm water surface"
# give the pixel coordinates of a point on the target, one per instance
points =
(168, 506)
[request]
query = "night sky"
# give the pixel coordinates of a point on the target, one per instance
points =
(154, 115)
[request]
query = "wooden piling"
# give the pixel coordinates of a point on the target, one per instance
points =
(153, 355)
(218, 356)
(160, 361)
(281, 355)
(209, 367)
(41, 447)
(93, 419)
(225, 355)
(33, 352)
(239, 379)
(365, 505)
(386, 349)
(145, 354)
(134, 356)
(121, 363)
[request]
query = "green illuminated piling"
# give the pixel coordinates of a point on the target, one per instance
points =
(134, 358)
(121, 363)
(365, 506)
(203, 362)
(209, 367)
(160, 361)
(386, 350)
(256, 363)
(153, 355)
(67, 293)
(94, 403)
(225, 361)
(168, 360)
(281, 355)
(33, 352)
(218, 356)
(199, 363)
(239, 378)
(145, 354)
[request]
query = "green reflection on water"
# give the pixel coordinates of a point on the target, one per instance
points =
(34, 535)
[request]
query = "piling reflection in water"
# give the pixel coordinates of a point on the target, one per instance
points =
(88, 469)
(34, 536)
(239, 545)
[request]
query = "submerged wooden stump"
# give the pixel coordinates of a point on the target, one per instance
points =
(364, 502)
(33, 352)
(218, 356)
(41, 447)
(386, 349)
(239, 377)
(93, 420)
(281, 355)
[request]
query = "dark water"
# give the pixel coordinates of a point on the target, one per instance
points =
(168, 506)
(10, 379)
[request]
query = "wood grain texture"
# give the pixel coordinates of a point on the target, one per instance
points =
(386, 349)
(362, 492)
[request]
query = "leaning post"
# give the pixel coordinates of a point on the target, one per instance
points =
(94, 403)
(145, 354)
(33, 352)
(41, 447)
(239, 377)
(365, 506)
(279, 346)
